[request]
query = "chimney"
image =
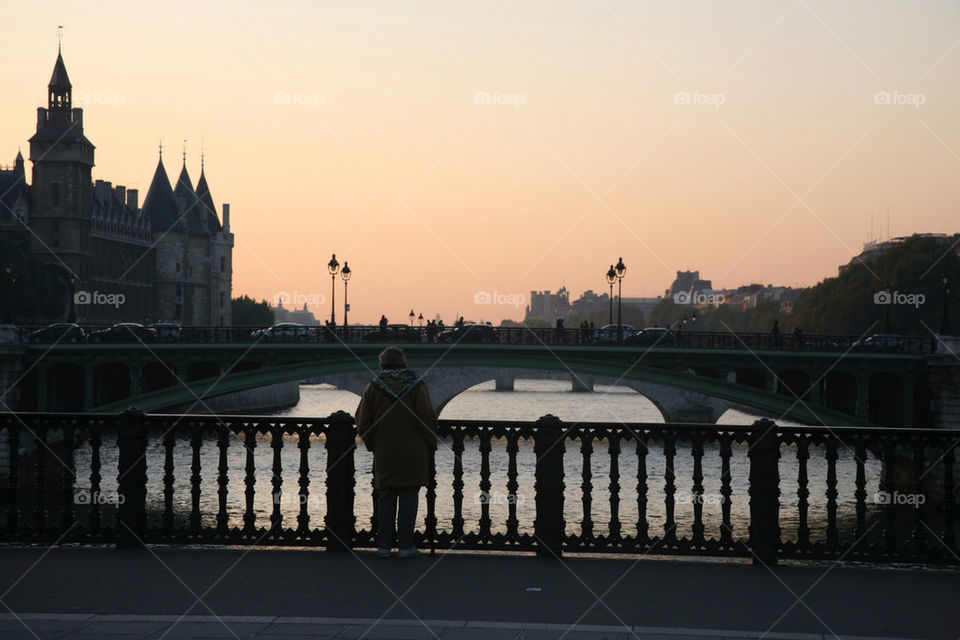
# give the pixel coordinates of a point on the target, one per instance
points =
(122, 192)
(41, 116)
(78, 118)
(132, 199)
(226, 217)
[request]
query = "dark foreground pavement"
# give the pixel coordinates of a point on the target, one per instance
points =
(267, 593)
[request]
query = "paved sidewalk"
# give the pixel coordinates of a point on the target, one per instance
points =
(243, 593)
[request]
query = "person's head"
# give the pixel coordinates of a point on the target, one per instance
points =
(393, 358)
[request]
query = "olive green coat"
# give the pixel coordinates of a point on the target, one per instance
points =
(396, 421)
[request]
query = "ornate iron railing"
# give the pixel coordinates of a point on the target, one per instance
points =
(677, 338)
(760, 491)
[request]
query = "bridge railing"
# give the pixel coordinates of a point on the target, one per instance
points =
(401, 334)
(760, 491)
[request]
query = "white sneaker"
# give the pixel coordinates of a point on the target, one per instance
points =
(412, 552)
(383, 553)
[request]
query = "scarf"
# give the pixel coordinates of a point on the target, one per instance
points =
(395, 382)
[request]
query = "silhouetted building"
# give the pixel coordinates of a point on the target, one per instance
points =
(170, 260)
(688, 282)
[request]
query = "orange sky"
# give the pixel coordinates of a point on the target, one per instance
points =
(445, 149)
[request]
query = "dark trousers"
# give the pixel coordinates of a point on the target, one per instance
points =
(390, 523)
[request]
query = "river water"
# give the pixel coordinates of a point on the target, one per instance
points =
(530, 400)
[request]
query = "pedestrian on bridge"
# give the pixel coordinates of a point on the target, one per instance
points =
(396, 421)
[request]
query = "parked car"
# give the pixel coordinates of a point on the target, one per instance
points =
(652, 337)
(59, 332)
(284, 332)
(482, 333)
(880, 342)
(167, 331)
(393, 333)
(124, 332)
(608, 333)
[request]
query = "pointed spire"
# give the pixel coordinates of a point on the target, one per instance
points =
(160, 205)
(59, 79)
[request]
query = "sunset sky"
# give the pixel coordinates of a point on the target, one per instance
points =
(448, 148)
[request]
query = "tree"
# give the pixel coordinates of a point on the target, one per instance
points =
(249, 313)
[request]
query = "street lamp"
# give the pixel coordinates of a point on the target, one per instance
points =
(333, 266)
(611, 278)
(886, 311)
(345, 273)
(420, 319)
(621, 269)
(945, 329)
(72, 316)
(412, 317)
(8, 281)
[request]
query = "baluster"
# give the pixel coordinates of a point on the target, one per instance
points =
(276, 517)
(614, 448)
(223, 479)
(13, 489)
(195, 442)
(949, 498)
(67, 478)
(249, 480)
(457, 485)
(513, 525)
(40, 483)
(919, 529)
(861, 491)
(698, 529)
(803, 493)
(889, 487)
(643, 527)
(726, 527)
(586, 486)
(169, 440)
(95, 441)
(430, 522)
(485, 485)
(832, 535)
(303, 519)
(669, 488)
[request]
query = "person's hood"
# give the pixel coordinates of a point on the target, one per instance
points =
(395, 382)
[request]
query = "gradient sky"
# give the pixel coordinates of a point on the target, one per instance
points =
(384, 155)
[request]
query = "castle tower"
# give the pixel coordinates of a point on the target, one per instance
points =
(62, 188)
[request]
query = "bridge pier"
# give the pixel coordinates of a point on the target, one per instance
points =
(582, 383)
(504, 383)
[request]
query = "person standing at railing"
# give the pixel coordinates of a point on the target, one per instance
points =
(396, 421)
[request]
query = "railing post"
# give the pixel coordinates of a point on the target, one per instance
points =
(339, 520)
(131, 479)
(548, 446)
(764, 492)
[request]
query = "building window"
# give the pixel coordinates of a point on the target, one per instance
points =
(55, 194)
(223, 264)
(178, 267)
(179, 293)
(55, 235)
(221, 300)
